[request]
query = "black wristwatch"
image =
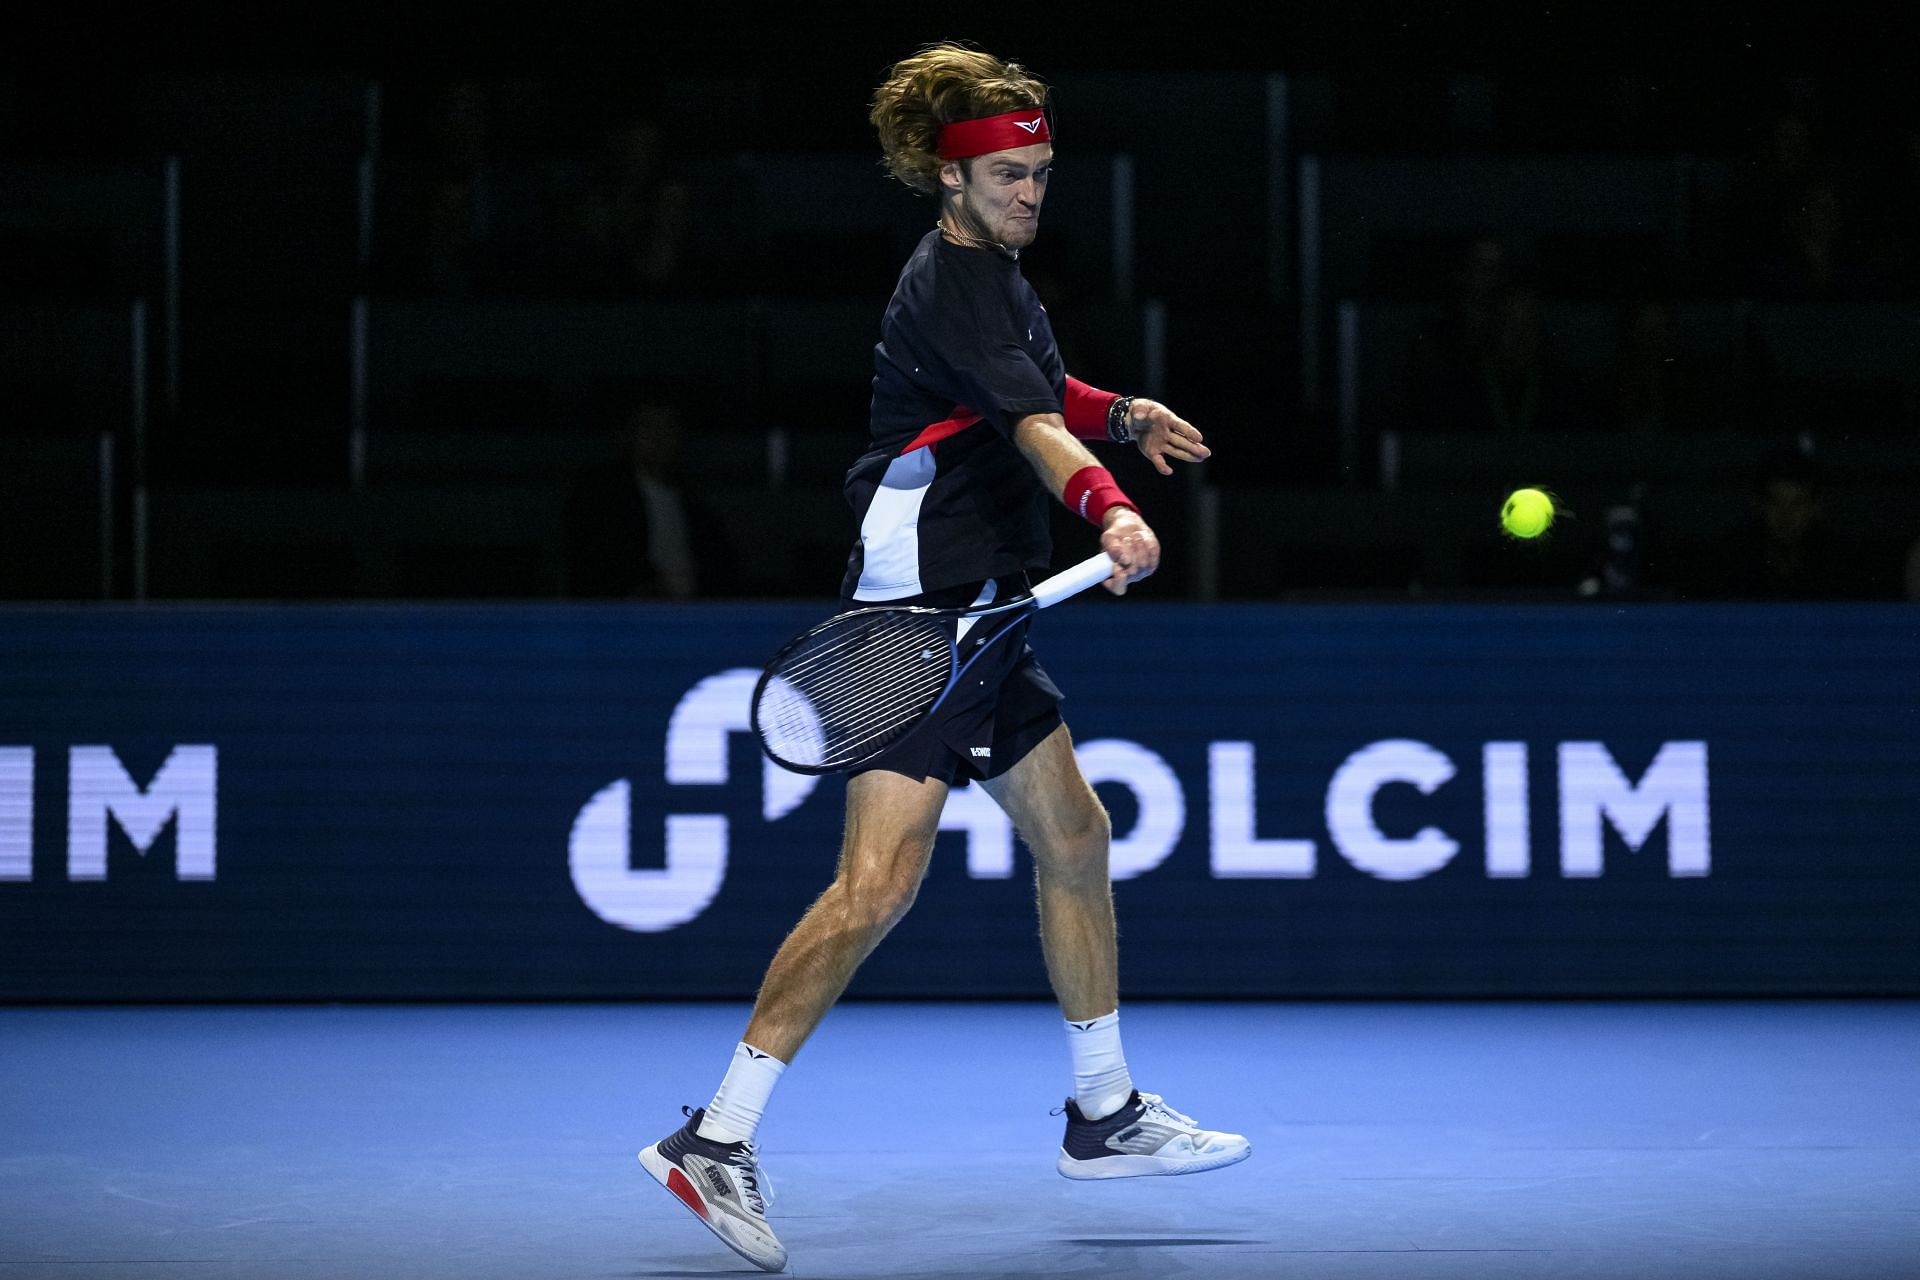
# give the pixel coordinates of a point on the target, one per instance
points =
(1119, 413)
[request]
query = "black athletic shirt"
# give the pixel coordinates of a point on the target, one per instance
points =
(942, 494)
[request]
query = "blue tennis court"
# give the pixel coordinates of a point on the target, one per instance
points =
(1637, 1140)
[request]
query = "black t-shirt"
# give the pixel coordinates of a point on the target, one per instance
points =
(942, 494)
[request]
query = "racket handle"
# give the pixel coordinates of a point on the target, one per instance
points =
(1090, 572)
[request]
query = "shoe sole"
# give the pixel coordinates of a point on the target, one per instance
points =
(681, 1188)
(1143, 1166)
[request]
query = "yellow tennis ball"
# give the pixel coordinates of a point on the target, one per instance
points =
(1528, 513)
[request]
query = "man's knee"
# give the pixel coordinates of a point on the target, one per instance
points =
(1077, 836)
(878, 891)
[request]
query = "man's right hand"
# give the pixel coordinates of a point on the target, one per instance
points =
(1132, 547)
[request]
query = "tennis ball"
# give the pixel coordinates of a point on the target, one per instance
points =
(1528, 513)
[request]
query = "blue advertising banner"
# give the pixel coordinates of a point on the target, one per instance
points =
(344, 802)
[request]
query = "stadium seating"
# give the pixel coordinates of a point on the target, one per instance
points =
(1280, 277)
(83, 229)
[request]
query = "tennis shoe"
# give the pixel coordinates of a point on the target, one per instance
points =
(1144, 1137)
(722, 1184)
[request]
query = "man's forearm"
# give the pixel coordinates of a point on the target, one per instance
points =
(1070, 473)
(1051, 450)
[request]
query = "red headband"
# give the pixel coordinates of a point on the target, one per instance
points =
(965, 138)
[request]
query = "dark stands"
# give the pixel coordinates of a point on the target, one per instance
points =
(273, 332)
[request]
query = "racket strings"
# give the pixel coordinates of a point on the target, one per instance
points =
(845, 690)
(879, 672)
(837, 651)
(854, 714)
(820, 725)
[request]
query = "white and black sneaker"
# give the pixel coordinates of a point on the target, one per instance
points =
(1144, 1137)
(722, 1183)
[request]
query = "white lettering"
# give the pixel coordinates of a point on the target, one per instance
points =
(1350, 809)
(1509, 848)
(184, 787)
(1237, 852)
(16, 813)
(1593, 788)
(1592, 793)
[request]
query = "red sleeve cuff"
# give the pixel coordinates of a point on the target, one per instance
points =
(1086, 409)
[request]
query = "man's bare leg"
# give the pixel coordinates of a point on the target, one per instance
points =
(891, 822)
(1066, 827)
(711, 1165)
(1112, 1130)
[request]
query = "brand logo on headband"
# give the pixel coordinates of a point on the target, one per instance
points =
(1009, 129)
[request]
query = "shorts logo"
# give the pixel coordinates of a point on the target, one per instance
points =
(982, 752)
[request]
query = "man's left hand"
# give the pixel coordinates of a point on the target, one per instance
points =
(1162, 434)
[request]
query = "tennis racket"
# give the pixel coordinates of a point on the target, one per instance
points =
(840, 693)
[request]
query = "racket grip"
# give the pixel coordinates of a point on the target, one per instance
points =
(1090, 572)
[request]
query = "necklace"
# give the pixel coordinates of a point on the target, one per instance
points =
(975, 242)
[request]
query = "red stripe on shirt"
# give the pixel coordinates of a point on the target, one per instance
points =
(935, 432)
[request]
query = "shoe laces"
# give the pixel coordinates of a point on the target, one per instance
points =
(1158, 1105)
(755, 1187)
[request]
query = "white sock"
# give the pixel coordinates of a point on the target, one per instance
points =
(734, 1114)
(1101, 1083)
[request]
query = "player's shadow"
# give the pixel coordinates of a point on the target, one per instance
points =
(721, 1267)
(1148, 1242)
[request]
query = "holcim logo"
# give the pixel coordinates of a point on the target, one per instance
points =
(1594, 794)
(600, 848)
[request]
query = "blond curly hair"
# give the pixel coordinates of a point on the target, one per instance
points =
(938, 85)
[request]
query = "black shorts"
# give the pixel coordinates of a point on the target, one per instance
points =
(1005, 706)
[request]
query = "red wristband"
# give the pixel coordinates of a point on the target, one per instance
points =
(1085, 409)
(1090, 492)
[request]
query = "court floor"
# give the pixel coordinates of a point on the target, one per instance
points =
(1432, 1140)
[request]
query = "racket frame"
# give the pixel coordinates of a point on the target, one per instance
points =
(1068, 582)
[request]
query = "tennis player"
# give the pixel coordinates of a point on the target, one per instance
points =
(975, 429)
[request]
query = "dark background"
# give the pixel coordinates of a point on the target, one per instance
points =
(864, 38)
(427, 265)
